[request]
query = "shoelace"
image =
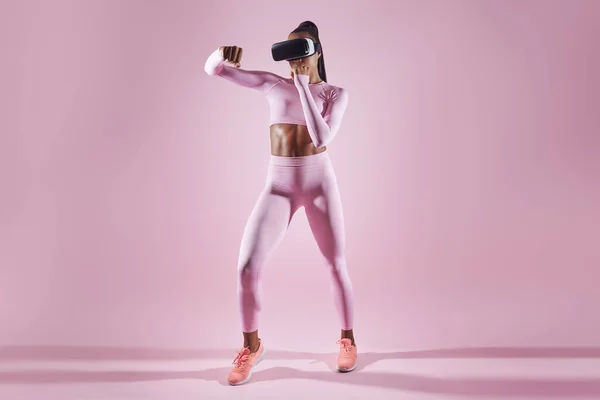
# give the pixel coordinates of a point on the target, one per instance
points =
(241, 359)
(346, 348)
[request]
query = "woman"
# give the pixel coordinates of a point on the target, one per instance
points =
(305, 115)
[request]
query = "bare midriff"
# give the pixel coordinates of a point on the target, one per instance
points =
(291, 140)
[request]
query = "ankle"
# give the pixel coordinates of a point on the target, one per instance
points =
(253, 346)
(348, 334)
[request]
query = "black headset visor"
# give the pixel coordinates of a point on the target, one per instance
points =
(293, 49)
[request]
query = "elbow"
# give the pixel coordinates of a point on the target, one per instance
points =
(322, 139)
(321, 143)
(317, 140)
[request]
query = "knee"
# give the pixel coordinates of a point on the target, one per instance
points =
(337, 264)
(247, 271)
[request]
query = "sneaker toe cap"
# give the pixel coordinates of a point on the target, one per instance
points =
(235, 377)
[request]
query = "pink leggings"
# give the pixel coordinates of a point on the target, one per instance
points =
(293, 182)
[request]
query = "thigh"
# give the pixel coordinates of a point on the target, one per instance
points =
(325, 217)
(265, 227)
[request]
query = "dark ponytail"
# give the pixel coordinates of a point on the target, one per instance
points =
(310, 28)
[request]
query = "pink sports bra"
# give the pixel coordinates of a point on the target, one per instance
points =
(320, 106)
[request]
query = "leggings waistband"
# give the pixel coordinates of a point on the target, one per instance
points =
(301, 160)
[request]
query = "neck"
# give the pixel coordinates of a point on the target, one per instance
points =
(315, 78)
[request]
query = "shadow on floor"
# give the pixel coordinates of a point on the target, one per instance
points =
(509, 387)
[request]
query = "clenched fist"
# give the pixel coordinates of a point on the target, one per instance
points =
(232, 54)
(299, 69)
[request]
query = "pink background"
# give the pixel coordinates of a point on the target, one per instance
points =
(468, 164)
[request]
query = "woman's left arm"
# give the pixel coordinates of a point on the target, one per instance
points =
(322, 129)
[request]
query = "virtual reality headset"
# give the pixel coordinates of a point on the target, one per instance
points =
(293, 49)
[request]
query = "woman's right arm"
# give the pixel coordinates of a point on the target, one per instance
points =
(259, 80)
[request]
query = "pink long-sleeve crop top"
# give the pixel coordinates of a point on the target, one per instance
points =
(320, 106)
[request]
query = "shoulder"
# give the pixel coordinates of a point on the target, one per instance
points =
(335, 88)
(337, 92)
(275, 81)
(274, 76)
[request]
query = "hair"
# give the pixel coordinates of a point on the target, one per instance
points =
(311, 28)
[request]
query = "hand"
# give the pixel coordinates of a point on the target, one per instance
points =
(231, 54)
(299, 69)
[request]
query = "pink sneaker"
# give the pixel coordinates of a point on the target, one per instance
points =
(243, 364)
(348, 356)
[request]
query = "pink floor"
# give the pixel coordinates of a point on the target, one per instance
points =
(67, 373)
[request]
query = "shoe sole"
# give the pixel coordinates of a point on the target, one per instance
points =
(258, 360)
(347, 369)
